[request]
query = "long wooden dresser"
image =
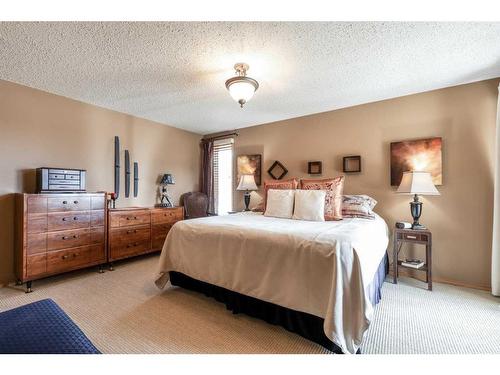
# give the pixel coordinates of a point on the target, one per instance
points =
(56, 233)
(137, 230)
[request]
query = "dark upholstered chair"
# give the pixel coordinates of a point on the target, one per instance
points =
(195, 205)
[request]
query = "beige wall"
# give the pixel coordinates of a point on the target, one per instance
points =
(464, 116)
(40, 129)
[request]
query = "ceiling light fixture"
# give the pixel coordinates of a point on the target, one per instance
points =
(241, 87)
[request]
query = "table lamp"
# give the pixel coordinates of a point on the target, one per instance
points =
(247, 183)
(166, 180)
(417, 183)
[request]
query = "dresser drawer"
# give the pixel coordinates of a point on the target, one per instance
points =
(68, 238)
(96, 218)
(161, 216)
(36, 205)
(36, 243)
(129, 235)
(68, 203)
(97, 253)
(66, 220)
(36, 223)
(119, 251)
(64, 260)
(132, 217)
(422, 237)
(158, 242)
(97, 235)
(160, 230)
(36, 265)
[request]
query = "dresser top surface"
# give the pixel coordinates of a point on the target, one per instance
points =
(118, 209)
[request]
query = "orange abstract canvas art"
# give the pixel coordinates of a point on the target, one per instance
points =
(417, 155)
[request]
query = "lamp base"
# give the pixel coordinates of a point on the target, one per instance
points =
(416, 212)
(160, 205)
(247, 200)
(418, 226)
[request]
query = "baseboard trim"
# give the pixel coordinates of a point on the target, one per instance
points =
(404, 272)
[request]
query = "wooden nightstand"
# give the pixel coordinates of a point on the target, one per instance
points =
(423, 237)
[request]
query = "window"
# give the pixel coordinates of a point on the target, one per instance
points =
(223, 176)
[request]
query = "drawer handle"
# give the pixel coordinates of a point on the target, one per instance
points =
(75, 255)
(135, 217)
(411, 237)
(65, 237)
(65, 202)
(75, 218)
(75, 202)
(75, 236)
(132, 231)
(64, 219)
(65, 256)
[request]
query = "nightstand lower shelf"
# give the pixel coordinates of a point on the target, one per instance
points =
(423, 268)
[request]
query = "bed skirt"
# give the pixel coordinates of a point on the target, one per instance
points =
(304, 324)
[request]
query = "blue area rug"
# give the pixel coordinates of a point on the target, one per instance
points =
(41, 327)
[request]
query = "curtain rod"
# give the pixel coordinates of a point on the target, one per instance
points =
(228, 135)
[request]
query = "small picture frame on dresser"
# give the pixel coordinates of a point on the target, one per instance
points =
(351, 164)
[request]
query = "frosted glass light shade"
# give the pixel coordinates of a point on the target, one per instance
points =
(241, 90)
(247, 182)
(417, 182)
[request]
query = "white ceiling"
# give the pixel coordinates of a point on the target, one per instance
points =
(174, 73)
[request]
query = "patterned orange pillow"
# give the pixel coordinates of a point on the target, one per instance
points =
(334, 188)
(291, 183)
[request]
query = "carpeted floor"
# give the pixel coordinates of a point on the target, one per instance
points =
(123, 312)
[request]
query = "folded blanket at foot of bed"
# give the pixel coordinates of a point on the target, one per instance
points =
(41, 327)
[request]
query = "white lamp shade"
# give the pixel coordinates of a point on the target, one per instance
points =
(247, 182)
(417, 182)
(241, 90)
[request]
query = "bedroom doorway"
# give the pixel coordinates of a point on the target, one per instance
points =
(223, 176)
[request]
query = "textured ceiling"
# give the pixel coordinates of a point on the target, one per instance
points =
(174, 73)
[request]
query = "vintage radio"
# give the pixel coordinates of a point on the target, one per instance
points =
(56, 180)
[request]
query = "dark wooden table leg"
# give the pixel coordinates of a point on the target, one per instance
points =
(395, 261)
(428, 250)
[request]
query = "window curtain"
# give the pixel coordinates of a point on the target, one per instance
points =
(495, 256)
(207, 172)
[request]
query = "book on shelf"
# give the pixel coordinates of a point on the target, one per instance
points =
(413, 263)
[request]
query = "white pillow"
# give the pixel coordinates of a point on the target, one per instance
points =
(280, 203)
(309, 205)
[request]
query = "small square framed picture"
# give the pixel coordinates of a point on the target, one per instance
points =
(352, 164)
(314, 167)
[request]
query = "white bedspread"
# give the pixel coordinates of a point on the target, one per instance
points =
(321, 268)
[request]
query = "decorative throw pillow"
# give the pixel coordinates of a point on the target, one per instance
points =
(358, 206)
(259, 207)
(333, 201)
(309, 205)
(290, 184)
(280, 203)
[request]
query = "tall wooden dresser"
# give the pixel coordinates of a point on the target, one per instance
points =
(56, 233)
(139, 230)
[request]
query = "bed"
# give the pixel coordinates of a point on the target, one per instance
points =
(302, 274)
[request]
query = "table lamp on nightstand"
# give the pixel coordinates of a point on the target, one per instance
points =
(417, 183)
(247, 183)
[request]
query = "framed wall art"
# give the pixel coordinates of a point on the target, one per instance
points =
(314, 167)
(417, 155)
(351, 164)
(250, 164)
